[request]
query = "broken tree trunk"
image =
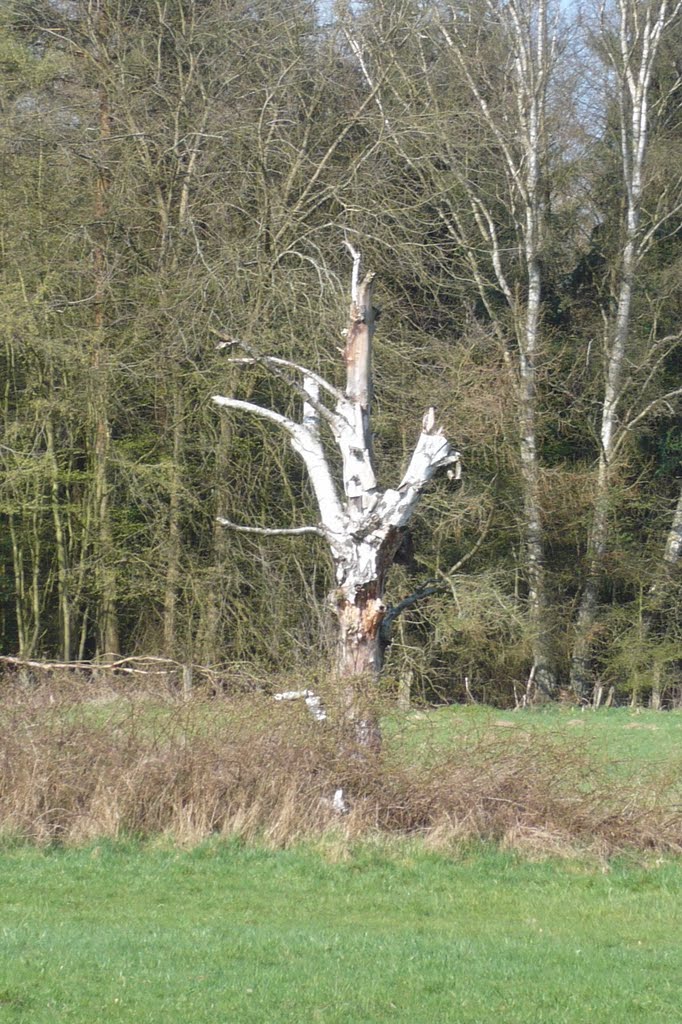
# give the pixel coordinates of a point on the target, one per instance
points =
(364, 527)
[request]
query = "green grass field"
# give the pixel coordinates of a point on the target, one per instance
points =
(227, 934)
(627, 738)
(364, 921)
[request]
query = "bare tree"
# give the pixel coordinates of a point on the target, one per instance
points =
(365, 528)
(630, 44)
(532, 44)
(499, 59)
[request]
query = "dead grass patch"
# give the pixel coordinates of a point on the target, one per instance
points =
(75, 770)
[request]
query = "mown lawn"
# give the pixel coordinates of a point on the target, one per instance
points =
(228, 934)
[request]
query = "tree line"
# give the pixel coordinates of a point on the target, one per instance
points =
(181, 171)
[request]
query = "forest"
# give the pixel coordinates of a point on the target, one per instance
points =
(182, 177)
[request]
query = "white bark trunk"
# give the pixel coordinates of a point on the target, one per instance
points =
(633, 60)
(532, 44)
(365, 527)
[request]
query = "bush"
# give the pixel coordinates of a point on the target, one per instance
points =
(78, 764)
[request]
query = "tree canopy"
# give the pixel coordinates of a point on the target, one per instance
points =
(174, 172)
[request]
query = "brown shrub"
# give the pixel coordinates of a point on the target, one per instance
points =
(74, 770)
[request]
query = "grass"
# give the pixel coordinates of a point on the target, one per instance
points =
(78, 765)
(227, 934)
(630, 740)
(321, 919)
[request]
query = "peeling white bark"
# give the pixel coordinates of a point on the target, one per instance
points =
(357, 529)
(313, 702)
(363, 527)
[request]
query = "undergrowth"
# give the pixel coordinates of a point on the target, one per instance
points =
(80, 765)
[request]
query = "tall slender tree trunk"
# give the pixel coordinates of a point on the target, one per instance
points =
(19, 587)
(524, 151)
(543, 671)
(632, 53)
(210, 642)
(668, 565)
(174, 537)
(105, 573)
(581, 659)
(64, 599)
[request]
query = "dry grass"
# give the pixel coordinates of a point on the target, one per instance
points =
(75, 766)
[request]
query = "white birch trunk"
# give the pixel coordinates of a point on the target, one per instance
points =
(639, 35)
(533, 65)
(532, 48)
(365, 526)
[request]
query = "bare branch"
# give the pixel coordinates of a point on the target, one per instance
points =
(307, 444)
(273, 364)
(271, 532)
(120, 665)
(357, 50)
(662, 400)
(258, 410)
(355, 276)
(276, 361)
(432, 587)
(512, 165)
(407, 602)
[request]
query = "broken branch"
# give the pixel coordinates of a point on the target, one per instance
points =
(271, 532)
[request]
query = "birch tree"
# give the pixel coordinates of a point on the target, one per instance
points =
(532, 55)
(485, 169)
(630, 39)
(362, 525)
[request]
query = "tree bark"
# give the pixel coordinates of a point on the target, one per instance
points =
(360, 611)
(61, 546)
(358, 664)
(534, 66)
(365, 529)
(632, 57)
(173, 537)
(107, 616)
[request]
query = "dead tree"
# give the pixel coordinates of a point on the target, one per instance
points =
(365, 527)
